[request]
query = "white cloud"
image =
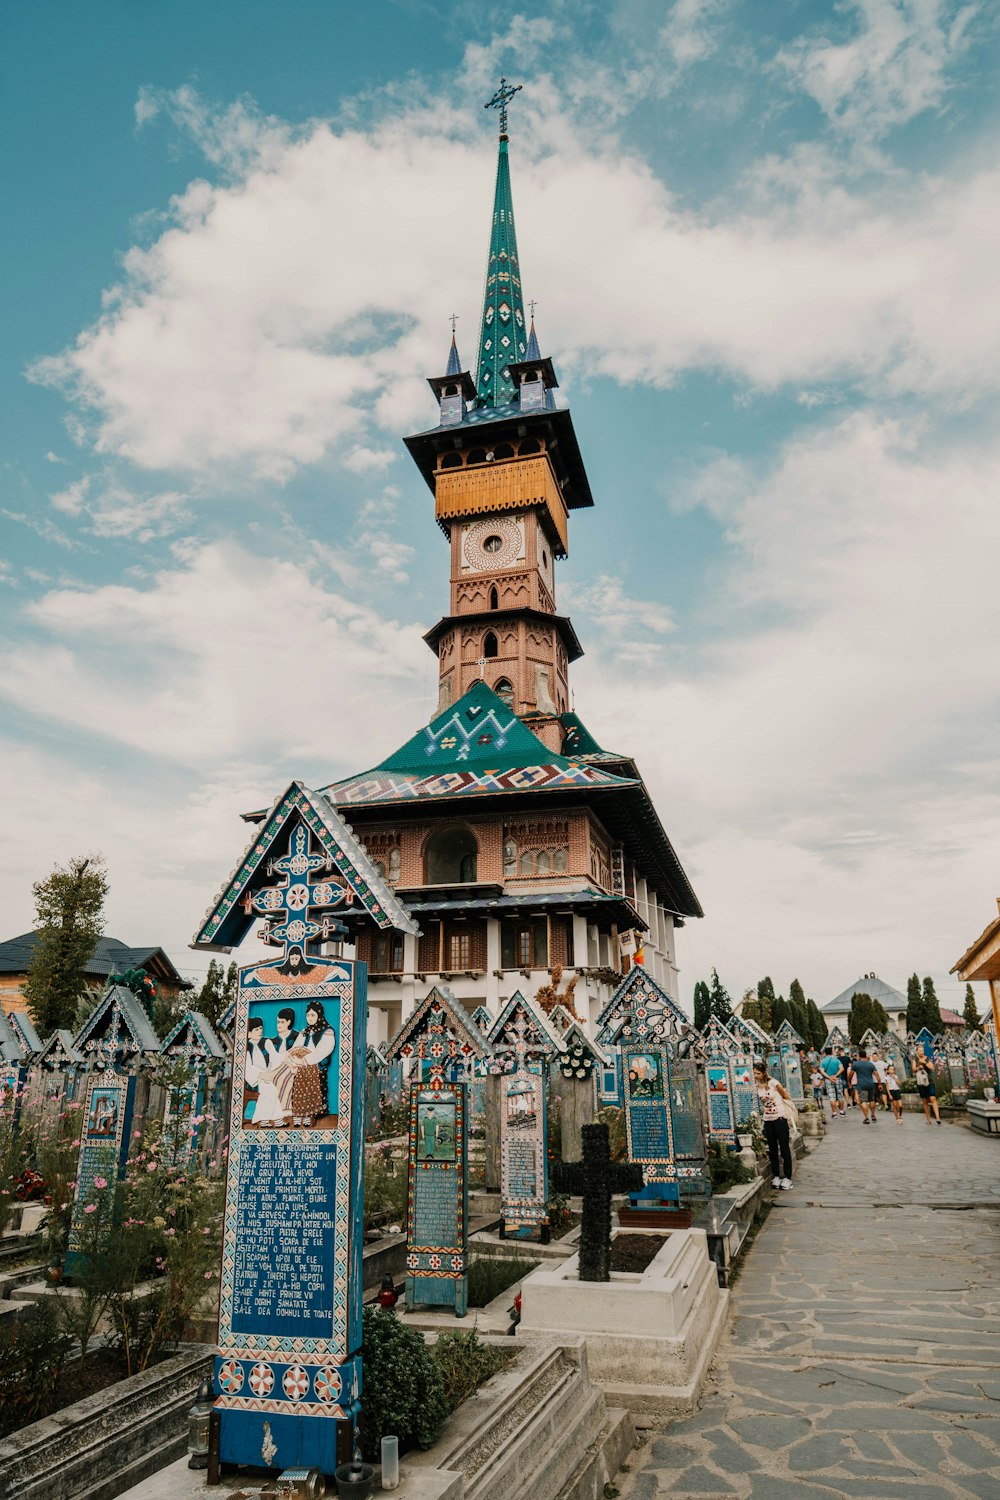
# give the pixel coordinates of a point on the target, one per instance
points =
(362, 460)
(892, 68)
(630, 629)
(827, 762)
(225, 655)
(117, 512)
(283, 311)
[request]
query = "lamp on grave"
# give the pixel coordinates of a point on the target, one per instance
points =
(198, 1420)
(388, 1296)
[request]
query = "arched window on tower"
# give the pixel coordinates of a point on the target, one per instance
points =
(451, 461)
(450, 857)
(490, 647)
(503, 450)
(527, 863)
(394, 864)
(505, 691)
(544, 864)
(494, 599)
(509, 857)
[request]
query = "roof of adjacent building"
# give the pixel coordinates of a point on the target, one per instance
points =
(110, 956)
(886, 996)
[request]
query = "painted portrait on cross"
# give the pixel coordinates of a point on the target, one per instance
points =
(286, 1076)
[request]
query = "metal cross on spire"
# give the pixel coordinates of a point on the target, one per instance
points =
(454, 320)
(500, 101)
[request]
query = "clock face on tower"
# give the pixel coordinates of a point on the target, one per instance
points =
(495, 543)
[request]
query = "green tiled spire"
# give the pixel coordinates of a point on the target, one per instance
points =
(502, 338)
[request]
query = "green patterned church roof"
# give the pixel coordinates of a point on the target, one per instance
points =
(474, 747)
(503, 337)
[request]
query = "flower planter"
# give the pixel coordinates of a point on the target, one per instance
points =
(98, 1447)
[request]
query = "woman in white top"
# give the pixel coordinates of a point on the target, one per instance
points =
(776, 1103)
(314, 1047)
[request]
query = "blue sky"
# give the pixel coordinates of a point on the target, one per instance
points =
(763, 240)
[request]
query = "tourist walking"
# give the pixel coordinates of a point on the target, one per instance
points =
(833, 1073)
(779, 1111)
(845, 1063)
(894, 1091)
(864, 1077)
(925, 1087)
(883, 1093)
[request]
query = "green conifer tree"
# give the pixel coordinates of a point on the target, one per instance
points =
(970, 1015)
(719, 999)
(217, 992)
(817, 1026)
(932, 1010)
(914, 1004)
(765, 996)
(702, 1005)
(69, 907)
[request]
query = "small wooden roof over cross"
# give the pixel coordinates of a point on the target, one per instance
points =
(522, 1030)
(640, 1010)
(439, 1031)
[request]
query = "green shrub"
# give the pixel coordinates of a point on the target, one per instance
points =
(33, 1351)
(614, 1119)
(908, 1086)
(725, 1168)
(491, 1275)
(385, 1189)
(402, 1389)
(466, 1363)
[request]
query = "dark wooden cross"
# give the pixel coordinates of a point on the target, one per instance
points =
(594, 1179)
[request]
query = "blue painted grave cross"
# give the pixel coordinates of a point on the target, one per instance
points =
(662, 1119)
(435, 1038)
(523, 1045)
(105, 1137)
(287, 1371)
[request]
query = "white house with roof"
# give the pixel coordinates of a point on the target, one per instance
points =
(836, 1012)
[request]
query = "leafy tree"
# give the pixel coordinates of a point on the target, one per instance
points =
(932, 1010)
(765, 997)
(702, 1005)
(970, 1015)
(866, 1015)
(218, 991)
(69, 917)
(781, 1011)
(719, 1000)
(754, 1009)
(914, 1004)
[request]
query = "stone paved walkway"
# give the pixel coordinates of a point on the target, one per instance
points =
(863, 1354)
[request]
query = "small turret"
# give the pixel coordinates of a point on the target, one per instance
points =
(454, 388)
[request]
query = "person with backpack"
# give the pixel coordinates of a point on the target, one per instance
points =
(779, 1111)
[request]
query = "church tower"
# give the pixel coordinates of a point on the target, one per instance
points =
(522, 846)
(505, 469)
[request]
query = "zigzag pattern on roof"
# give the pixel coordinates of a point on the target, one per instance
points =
(438, 1010)
(228, 918)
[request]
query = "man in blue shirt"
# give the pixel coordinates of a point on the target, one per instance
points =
(833, 1072)
(866, 1083)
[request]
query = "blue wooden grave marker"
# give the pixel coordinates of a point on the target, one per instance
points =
(105, 1136)
(287, 1372)
(522, 1044)
(436, 1037)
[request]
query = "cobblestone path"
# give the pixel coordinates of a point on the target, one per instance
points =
(863, 1353)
